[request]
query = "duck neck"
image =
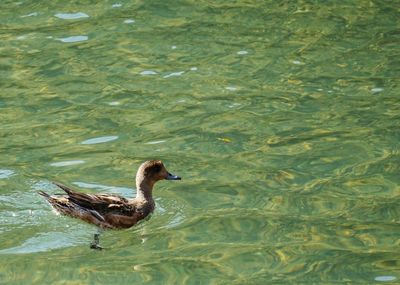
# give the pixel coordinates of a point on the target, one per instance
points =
(144, 190)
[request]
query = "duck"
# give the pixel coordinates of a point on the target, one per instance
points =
(108, 211)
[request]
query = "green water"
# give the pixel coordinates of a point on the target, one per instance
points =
(282, 118)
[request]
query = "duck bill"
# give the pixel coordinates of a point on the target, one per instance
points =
(172, 177)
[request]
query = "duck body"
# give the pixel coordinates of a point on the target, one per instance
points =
(111, 211)
(103, 210)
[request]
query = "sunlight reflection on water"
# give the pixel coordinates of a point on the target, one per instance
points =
(125, 191)
(100, 140)
(47, 241)
(67, 163)
(71, 16)
(6, 173)
(73, 39)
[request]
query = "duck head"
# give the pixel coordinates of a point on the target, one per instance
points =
(152, 171)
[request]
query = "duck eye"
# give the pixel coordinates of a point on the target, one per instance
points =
(157, 168)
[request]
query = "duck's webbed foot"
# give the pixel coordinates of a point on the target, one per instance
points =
(95, 244)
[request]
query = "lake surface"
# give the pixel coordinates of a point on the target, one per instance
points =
(283, 118)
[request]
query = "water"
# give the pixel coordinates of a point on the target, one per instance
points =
(282, 119)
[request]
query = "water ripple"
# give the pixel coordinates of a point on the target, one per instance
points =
(125, 191)
(376, 90)
(179, 73)
(100, 140)
(231, 88)
(6, 173)
(34, 14)
(148, 72)
(67, 163)
(385, 278)
(156, 142)
(129, 21)
(71, 16)
(73, 39)
(44, 242)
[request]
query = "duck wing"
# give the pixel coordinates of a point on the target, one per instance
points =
(101, 203)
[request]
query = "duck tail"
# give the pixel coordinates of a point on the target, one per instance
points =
(44, 194)
(63, 187)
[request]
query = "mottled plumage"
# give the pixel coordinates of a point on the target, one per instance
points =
(111, 211)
